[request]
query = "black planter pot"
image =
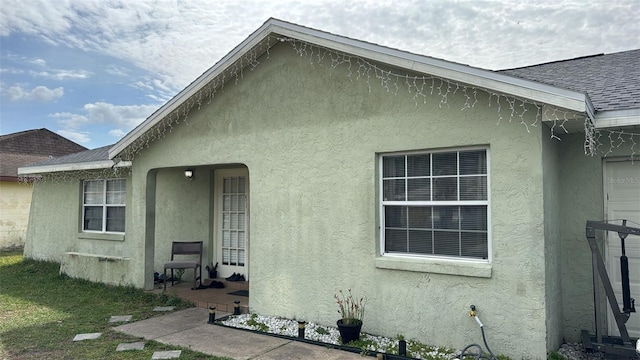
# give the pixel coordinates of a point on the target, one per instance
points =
(349, 332)
(213, 274)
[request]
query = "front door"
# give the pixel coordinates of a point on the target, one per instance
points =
(622, 195)
(232, 230)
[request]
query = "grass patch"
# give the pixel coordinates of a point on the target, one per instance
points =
(41, 311)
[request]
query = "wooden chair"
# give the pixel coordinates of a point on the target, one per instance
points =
(185, 249)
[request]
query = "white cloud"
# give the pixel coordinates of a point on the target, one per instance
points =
(117, 133)
(39, 62)
(38, 94)
(122, 118)
(117, 70)
(100, 113)
(77, 136)
(178, 41)
(12, 71)
(142, 85)
(127, 116)
(62, 74)
(70, 120)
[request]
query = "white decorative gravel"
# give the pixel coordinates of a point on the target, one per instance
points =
(289, 327)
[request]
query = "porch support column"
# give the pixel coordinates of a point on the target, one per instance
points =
(150, 229)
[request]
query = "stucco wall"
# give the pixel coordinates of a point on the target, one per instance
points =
(310, 139)
(54, 234)
(582, 199)
(552, 246)
(182, 214)
(15, 200)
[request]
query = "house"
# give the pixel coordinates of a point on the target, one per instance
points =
(20, 149)
(319, 163)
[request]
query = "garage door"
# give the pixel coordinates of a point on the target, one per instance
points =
(622, 198)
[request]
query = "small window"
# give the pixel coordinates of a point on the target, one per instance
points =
(435, 204)
(103, 208)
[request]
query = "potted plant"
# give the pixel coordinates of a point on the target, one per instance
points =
(352, 311)
(213, 270)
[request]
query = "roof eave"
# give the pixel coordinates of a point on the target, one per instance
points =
(617, 118)
(568, 99)
(571, 100)
(92, 165)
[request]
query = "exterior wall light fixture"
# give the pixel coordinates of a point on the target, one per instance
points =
(189, 174)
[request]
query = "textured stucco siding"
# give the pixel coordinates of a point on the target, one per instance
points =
(310, 138)
(552, 243)
(182, 214)
(15, 200)
(54, 234)
(53, 221)
(581, 199)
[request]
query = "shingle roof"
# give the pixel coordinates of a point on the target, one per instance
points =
(99, 154)
(26, 147)
(612, 81)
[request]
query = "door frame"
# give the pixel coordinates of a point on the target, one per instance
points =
(216, 217)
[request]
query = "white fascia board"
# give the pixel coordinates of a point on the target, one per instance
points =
(617, 118)
(486, 79)
(568, 99)
(92, 165)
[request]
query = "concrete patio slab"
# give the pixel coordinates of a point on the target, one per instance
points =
(156, 327)
(299, 350)
(188, 328)
(87, 336)
(130, 346)
(164, 308)
(221, 341)
(120, 318)
(171, 354)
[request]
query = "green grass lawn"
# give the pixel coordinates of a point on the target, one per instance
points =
(41, 311)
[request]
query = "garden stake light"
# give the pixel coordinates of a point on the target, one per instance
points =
(212, 315)
(301, 325)
(236, 307)
(402, 347)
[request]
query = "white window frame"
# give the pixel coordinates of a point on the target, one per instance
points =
(382, 203)
(104, 206)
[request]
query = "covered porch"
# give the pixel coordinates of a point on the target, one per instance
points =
(222, 298)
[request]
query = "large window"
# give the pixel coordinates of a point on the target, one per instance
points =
(103, 207)
(435, 204)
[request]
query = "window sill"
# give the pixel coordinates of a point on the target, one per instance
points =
(438, 266)
(100, 236)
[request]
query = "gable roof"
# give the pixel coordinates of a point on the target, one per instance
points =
(499, 82)
(611, 80)
(25, 147)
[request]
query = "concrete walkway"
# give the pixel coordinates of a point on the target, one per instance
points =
(189, 329)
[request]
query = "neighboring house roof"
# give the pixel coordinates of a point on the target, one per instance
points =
(26, 147)
(86, 160)
(273, 29)
(611, 80)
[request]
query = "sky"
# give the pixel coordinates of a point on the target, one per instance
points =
(93, 70)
